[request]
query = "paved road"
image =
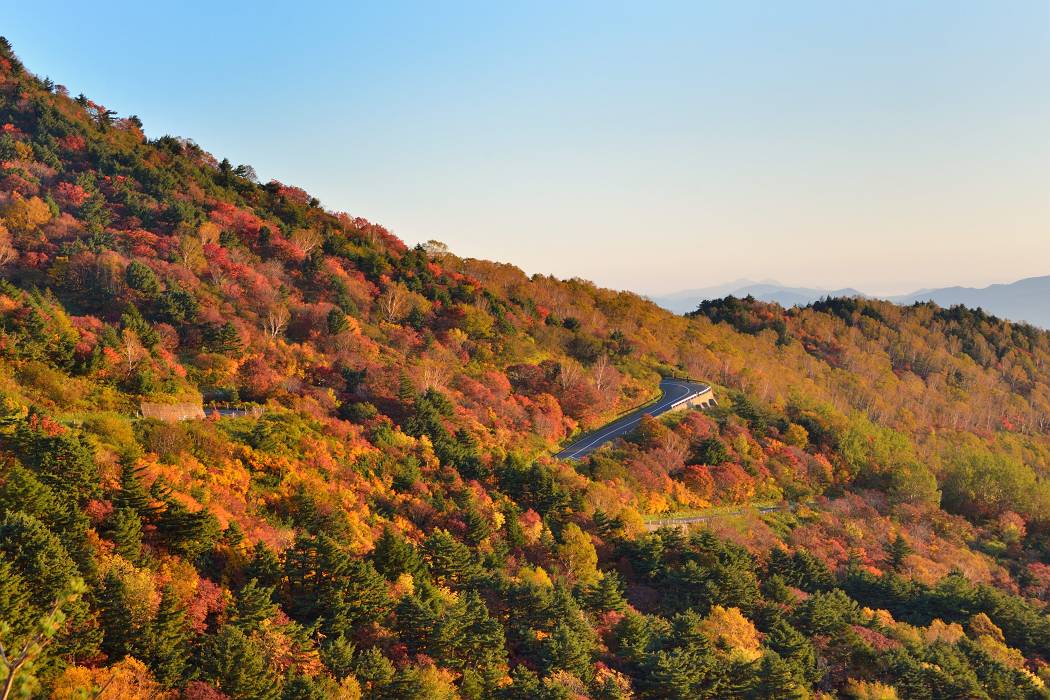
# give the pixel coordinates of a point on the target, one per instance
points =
(675, 392)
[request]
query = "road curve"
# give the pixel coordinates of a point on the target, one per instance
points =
(675, 393)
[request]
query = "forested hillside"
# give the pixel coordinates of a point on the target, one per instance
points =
(370, 508)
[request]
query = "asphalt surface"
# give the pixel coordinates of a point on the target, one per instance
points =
(674, 391)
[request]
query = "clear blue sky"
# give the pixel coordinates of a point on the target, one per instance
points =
(651, 146)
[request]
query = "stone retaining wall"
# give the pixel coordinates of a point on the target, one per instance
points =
(172, 412)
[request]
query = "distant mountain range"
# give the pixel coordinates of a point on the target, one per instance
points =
(766, 290)
(1024, 300)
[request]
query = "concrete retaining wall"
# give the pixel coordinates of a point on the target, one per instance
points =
(705, 399)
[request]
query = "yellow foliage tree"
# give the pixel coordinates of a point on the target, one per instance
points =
(208, 232)
(535, 577)
(191, 253)
(24, 151)
(939, 631)
(577, 555)
(437, 683)
(729, 629)
(797, 435)
(869, 690)
(26, 215)
(349, 689)
(7, 250)
(633, 522)
(128, 679)
(980, 625)
(1007, 656)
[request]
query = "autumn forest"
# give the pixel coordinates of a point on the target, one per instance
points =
(364, 502)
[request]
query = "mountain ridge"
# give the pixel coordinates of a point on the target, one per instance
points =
(1026, 300)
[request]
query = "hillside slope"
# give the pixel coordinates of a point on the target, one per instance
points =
(377, 513)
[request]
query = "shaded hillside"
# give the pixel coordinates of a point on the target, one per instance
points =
(377, 513)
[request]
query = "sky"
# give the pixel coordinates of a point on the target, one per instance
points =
(652, 146)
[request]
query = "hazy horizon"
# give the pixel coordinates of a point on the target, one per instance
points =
(885, 148)
(883, 293)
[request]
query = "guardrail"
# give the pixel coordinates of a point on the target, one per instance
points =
(684, 521)
(228, 409)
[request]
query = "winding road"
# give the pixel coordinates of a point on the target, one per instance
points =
(675, 393)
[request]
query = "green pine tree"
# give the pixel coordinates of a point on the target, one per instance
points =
(141, 278)
(897, 550)
(525, 685)
(775, 681)
(394, 555)
(336, 322)
(632, 638)
(776, 589)
(300, 687)
(566, 649)
(417, 621)
(28, 649)
(253, 604)
(20, 490)
(793, 647)
(607, 593)
(65, 462)
(673, 674)
(264, 566)
(187, 532)
(406, 392)
(133, 493)
(337, 654)
(125, 530)
(167, 649)
(364, 596)
(312, 566)
(478, 526)
(484, 637)
(325, 583)
(37, 555)
(826, 613)
(235, 663)
(15, 610)
(608, 689)
(233, 535)
(449, 560)
(687, 632)
(121, 636)
(512, 529)
(226, 340)
(374, 671)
